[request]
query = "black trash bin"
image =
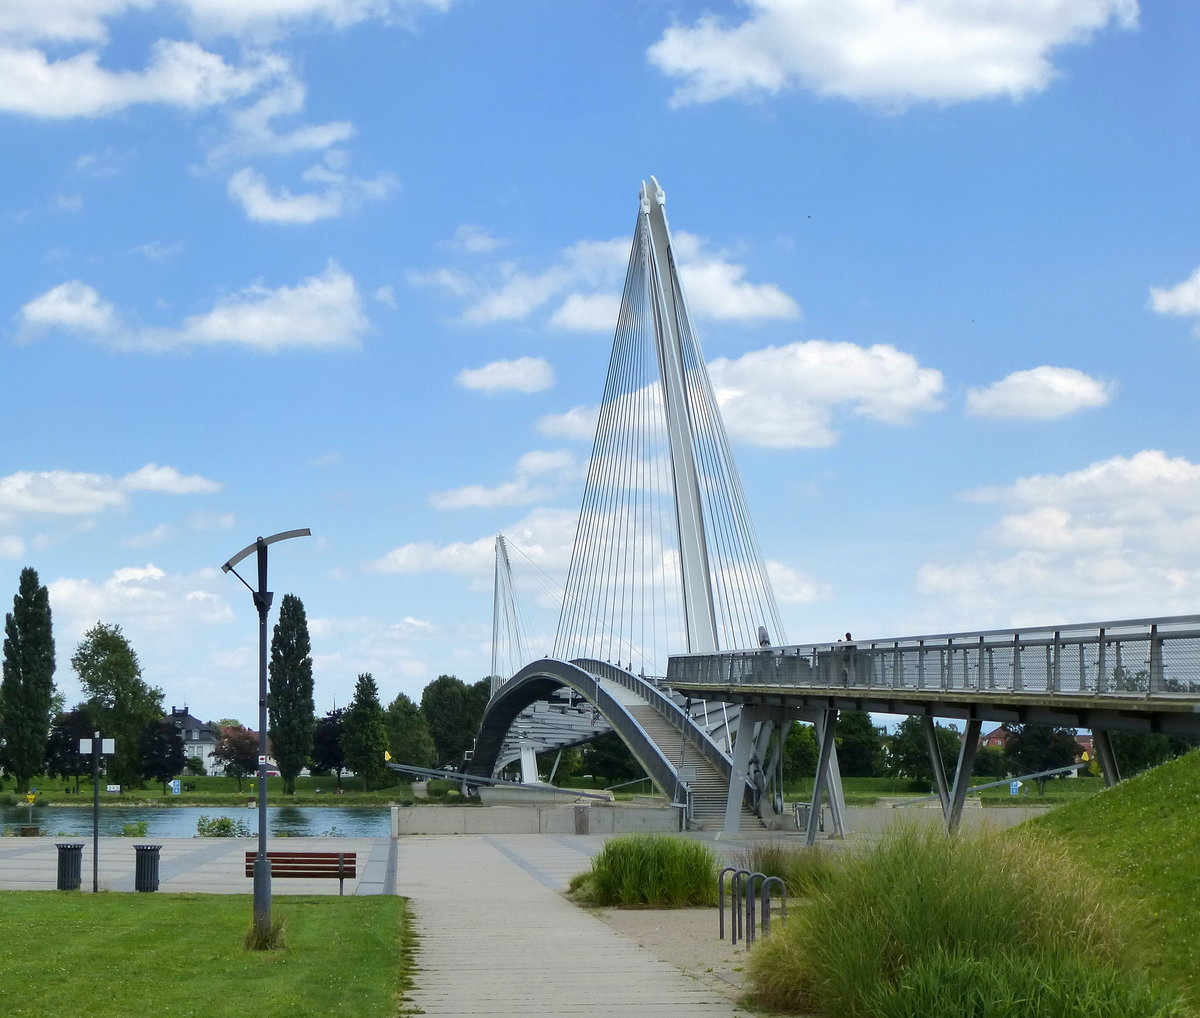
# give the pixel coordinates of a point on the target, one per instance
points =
(145, 874)
(70, 866)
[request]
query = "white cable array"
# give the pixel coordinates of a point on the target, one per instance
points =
(623, 599)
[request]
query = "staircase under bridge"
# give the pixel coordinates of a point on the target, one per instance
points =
(553, 704)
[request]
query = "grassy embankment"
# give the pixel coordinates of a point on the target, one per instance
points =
(1091, 909)
(1143, 836)
(71, 955)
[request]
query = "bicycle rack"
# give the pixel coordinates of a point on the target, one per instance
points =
(742, 912)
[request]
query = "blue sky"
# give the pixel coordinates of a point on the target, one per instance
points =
(353, 265)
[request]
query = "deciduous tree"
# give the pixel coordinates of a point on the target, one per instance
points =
(408, 733)
(119, 702)
(290, 699)
(909, 752)
(236, 751)
(859, 745)
(364, 736)
(1032, 748)
(27, 689)
(163, 757)
(451, 717)
(327, 753)
(63, 759)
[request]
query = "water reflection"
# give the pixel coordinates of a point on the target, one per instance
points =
(180, 821)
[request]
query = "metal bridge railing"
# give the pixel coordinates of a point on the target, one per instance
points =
(1150, 657)
(696, 737)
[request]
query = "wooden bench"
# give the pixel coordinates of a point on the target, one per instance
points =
(309, 865)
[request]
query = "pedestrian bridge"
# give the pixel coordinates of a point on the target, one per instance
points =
(1140, 675)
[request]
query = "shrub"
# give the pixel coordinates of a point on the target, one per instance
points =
(221, 827)
(801, 869)
(135, 830)
(657, 871)
(955, 985)
(919, 893)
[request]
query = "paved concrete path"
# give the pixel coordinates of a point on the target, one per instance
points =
(207, 865)
(497, 938)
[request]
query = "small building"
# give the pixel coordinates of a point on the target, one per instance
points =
(200, 738)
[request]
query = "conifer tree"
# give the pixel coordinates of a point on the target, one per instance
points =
(27, 689)
(290, 697)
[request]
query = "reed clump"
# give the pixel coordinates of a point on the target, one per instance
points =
(650, 871)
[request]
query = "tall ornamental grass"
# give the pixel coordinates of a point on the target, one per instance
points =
(652, 871)
(802, 870)
(919, 895)
(1019, 986)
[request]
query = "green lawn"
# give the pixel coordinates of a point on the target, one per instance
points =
(72, 955)
(1144, 835)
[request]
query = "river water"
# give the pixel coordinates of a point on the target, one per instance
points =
(180, 821)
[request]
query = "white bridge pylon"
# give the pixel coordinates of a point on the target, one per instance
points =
(665, 558)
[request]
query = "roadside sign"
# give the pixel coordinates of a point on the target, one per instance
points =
(1014, 787)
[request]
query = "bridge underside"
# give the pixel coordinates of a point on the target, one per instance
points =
(676, 752)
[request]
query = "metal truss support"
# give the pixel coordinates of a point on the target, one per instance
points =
(935, 760)
(962, 773)
(825, 723)
(1102, 744)
(743, 749)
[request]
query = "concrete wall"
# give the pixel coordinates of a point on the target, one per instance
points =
(572, 819)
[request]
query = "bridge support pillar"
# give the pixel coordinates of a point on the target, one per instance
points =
(962, 773)
(1102, 744)
(529, 770)
(829, 778)
(743, 748)
(935, 760)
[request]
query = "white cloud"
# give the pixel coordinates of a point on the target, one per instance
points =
(794, 587)
(180, 74)
(1182, 299)
(525, 374)
(885, 52)
(587, 312)
(73, 306)
(339, 193)
(474, 240)
(1041, 393)
(545, 536)
(68, 493)
(147, 597)
(577, 423)
(538, 476)
(11, 547)
(783, 397)
(167, 481)
(320, 312)
(1119, 538)
(788, 397)
(583, 287)
(266, 17)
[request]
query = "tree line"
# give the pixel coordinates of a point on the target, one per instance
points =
(38, 735)
(867, 751)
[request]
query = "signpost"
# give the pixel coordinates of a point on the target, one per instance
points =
(96, 746)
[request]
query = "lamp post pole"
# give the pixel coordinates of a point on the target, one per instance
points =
(262, 601)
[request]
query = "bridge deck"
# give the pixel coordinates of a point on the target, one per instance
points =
(1139, 675)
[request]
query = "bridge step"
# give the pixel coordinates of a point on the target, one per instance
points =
(709, 787)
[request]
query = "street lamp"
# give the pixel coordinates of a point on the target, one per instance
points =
(262, 601)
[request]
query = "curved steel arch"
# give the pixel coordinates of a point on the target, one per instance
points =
(539, 681)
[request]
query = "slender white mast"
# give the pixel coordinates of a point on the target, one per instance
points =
(666, 297)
